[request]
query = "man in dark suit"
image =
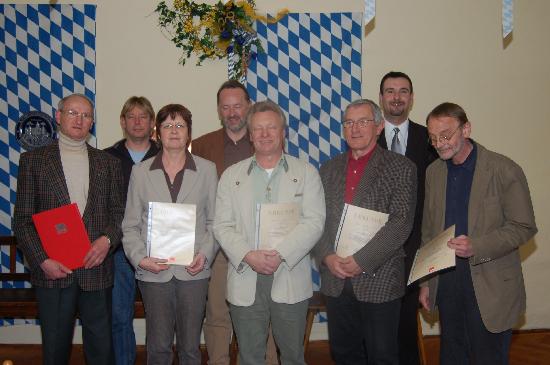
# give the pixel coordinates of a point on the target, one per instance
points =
(71, 171)
(407, 138)
(364, 290)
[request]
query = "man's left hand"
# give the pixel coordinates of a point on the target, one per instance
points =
(98, 252)
(350, 266)
(462, 246)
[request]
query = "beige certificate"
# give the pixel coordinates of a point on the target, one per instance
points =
(274, 222)
(171, 232)
(357, 227)
(433, 256)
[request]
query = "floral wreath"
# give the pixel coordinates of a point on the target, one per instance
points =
(222, 30)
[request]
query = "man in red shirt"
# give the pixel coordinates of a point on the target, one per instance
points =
(364, 290)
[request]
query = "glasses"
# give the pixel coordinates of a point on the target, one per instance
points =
(442, 139)
(361, 123)
(73, 114)
(170, 126)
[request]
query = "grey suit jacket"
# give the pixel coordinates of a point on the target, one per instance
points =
(388, 185)
(500, 219)
(146, 185)
(41, 186)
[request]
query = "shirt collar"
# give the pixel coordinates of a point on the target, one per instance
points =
(189, 162)
(403, 131)
(253, 163)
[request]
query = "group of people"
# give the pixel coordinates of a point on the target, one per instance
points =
(425, 178)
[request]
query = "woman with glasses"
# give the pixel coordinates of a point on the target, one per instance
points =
(174, 296)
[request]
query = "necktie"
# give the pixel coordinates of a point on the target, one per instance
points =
(395, 145)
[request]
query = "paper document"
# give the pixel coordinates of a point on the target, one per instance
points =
(63, 235)
(357, 227)
(433, 256)
(171, 232)
(274, 222)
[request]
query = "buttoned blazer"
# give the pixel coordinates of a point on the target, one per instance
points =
(500, 219)
(41, 186)
(211, 147)
(146, 185)
(388, 185)
(422, 154)
(235, 229)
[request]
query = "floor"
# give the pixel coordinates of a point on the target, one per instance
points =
(528, 348)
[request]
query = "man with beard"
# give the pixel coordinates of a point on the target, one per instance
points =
(137, 119)
(486, 197)
(225, 147)
(407, 138)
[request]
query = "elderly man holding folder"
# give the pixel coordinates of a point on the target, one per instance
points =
(269, 283)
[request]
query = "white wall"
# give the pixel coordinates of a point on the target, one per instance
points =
(452, 50)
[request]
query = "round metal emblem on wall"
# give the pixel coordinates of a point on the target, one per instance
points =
(35, 129)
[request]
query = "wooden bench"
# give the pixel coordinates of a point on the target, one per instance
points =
(21, 302)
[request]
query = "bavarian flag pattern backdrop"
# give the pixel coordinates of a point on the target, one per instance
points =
(312, 70)
(46, 52)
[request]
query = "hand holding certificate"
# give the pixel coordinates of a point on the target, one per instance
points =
(357, 227)
(433, 256)
(63, 235)
(274, 222)
(171, 232)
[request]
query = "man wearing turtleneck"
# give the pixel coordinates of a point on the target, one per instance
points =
(65, 172)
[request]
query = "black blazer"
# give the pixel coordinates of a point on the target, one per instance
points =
(421, 152)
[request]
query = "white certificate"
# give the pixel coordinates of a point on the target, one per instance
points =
(171, 232)
(357, 227)
(274, 222)
(433, 256)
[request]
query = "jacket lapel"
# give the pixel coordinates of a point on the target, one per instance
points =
(57, 176)
(95, 169)
(481, 178)
(188, 183)
(439, 192)
(370, 175)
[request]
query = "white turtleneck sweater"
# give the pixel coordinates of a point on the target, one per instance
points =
(76, 167)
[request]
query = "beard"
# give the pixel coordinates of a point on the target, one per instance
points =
(230, 123)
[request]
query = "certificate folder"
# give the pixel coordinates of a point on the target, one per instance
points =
(274, 222)
(357, 227)
(171, 232)
(63, 235)
(433, 256)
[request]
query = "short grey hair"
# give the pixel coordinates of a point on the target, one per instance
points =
(377, 113)
(62, 101)
(265, 106)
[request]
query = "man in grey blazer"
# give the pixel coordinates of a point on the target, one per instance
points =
(266, 285)
(364, 290)
(71, 171)
(486, 196)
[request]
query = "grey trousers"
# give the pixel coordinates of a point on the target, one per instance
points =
(175, 306)
(251, 324)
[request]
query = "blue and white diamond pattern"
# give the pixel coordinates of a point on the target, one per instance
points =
(312, 70)
(46, 52)
(507, 17)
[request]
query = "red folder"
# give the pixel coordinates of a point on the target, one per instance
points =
(63, 235)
